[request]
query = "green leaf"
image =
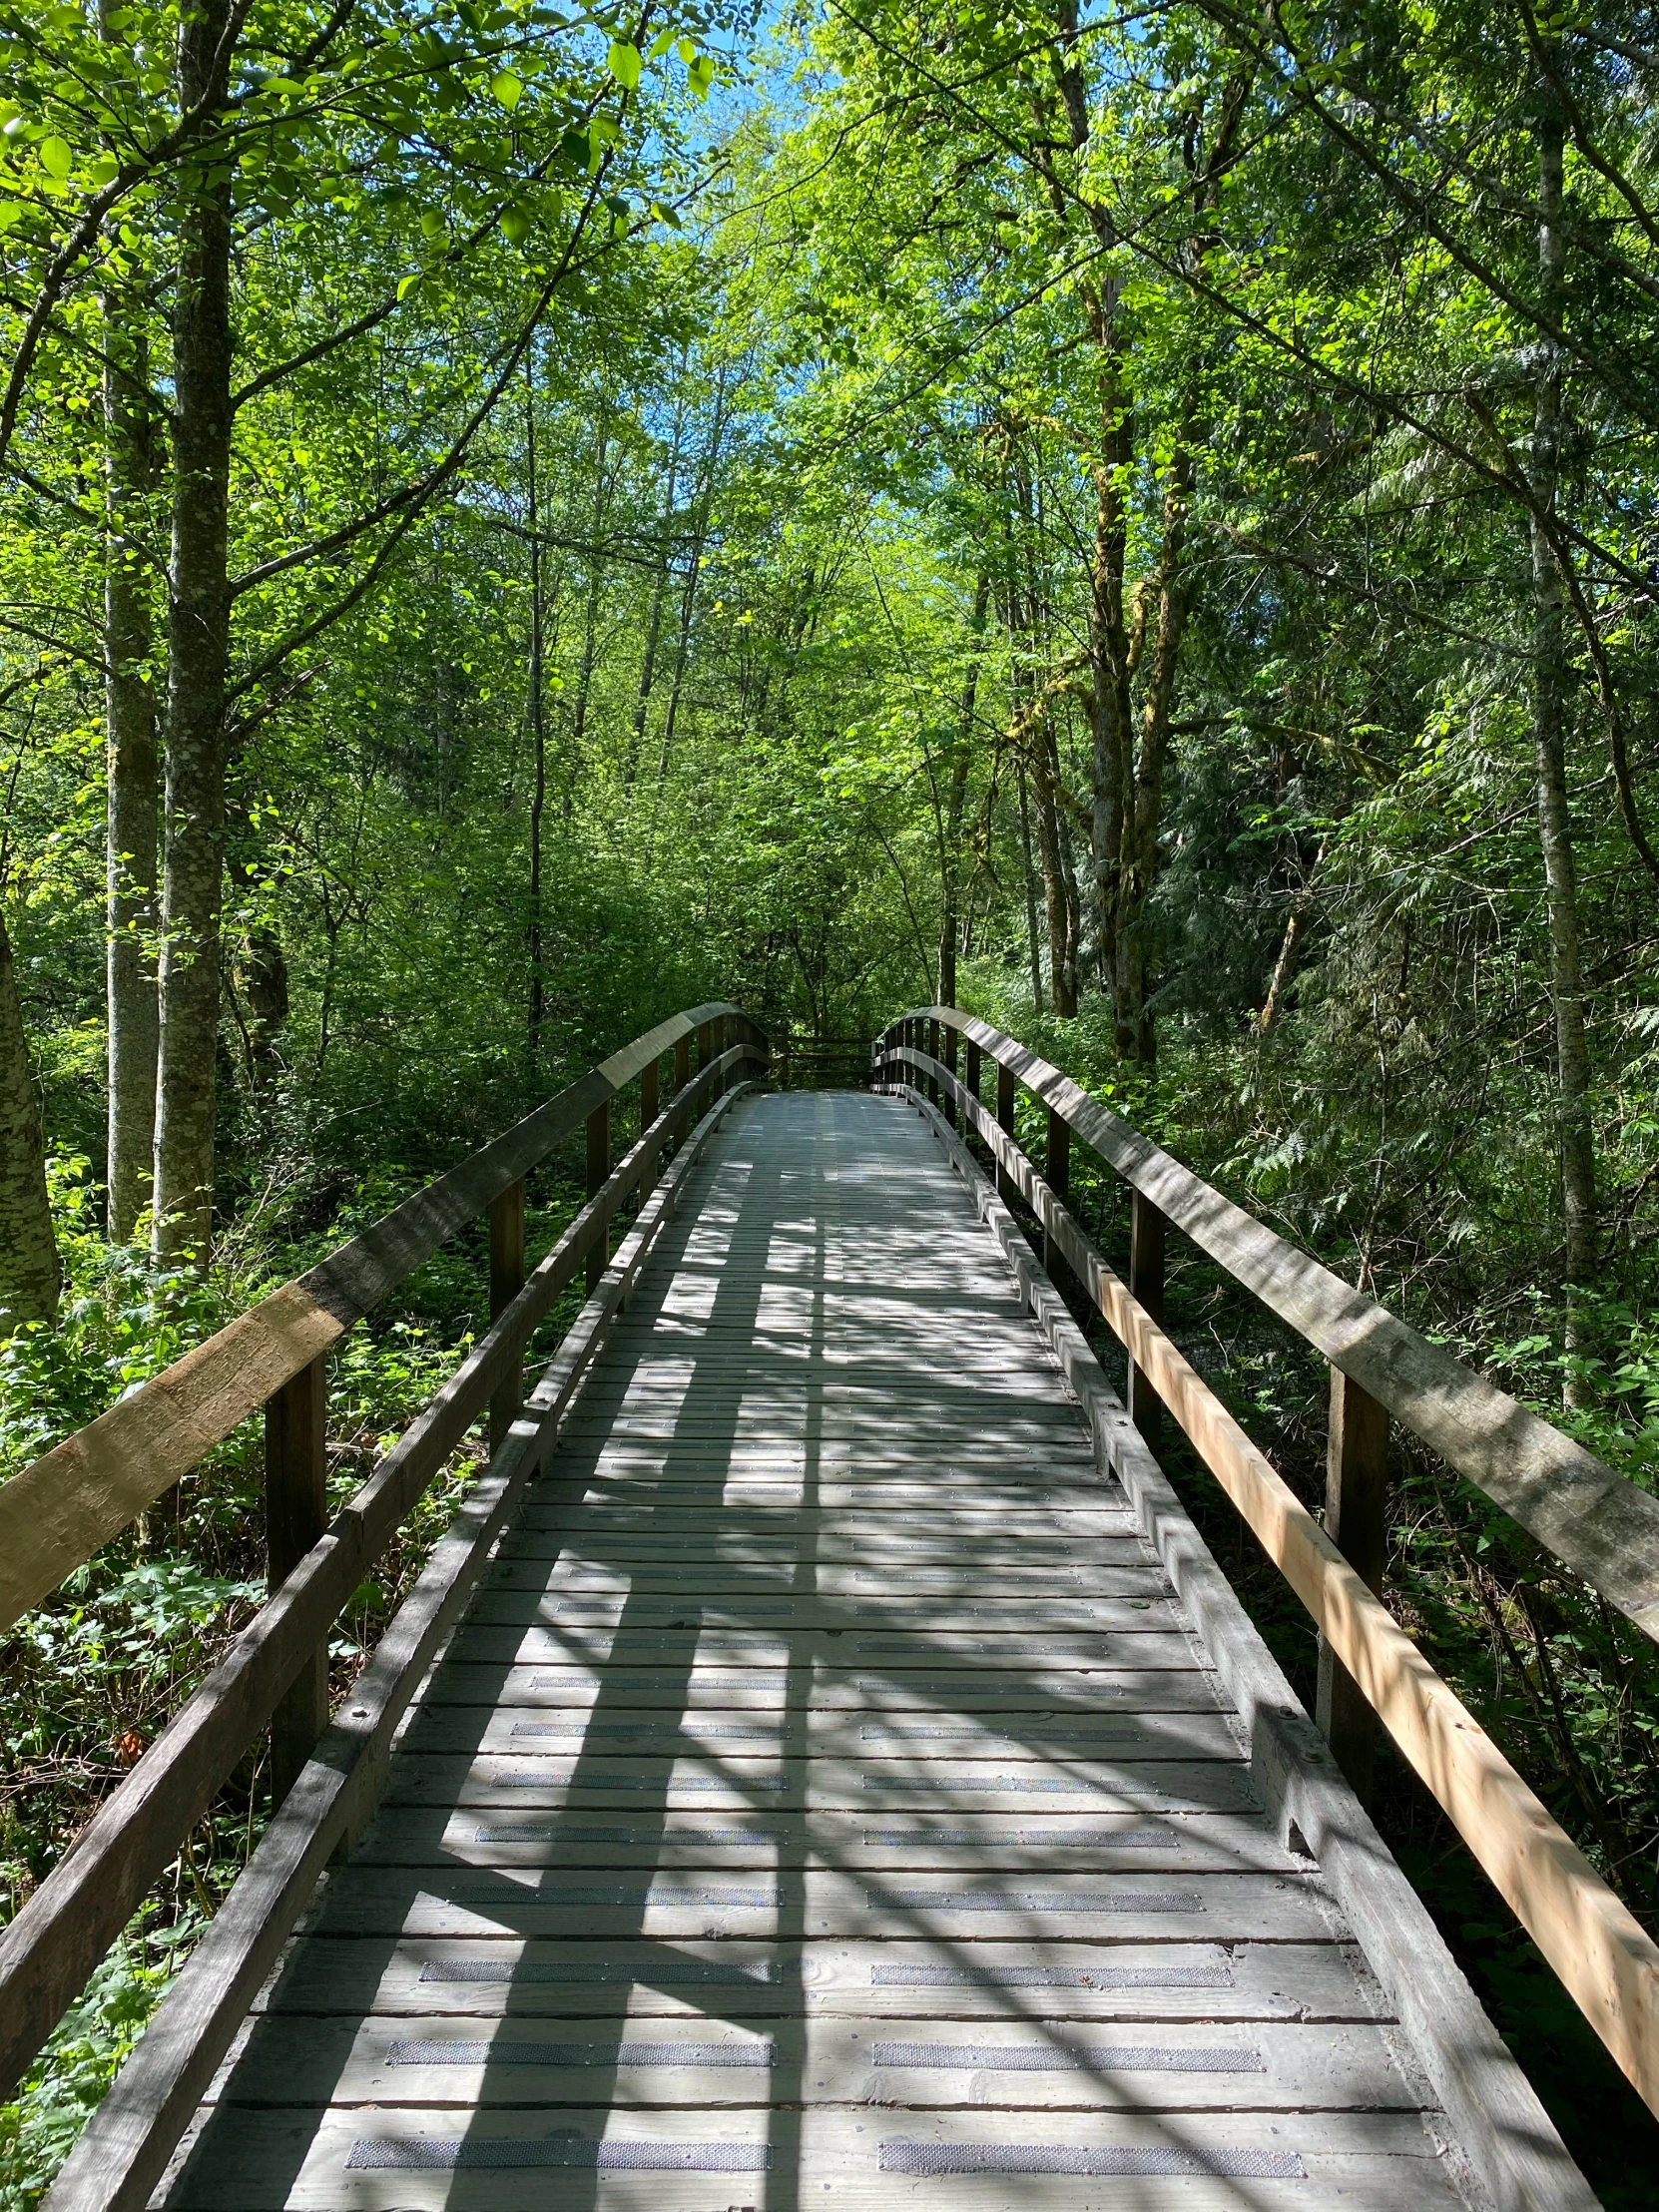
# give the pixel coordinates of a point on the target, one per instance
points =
(686, 48)
(507, 88)
(406, 285)
(701, 76)
(10, 211)
(515, 224)
(661, 44)
(54, 156)
(623, 62)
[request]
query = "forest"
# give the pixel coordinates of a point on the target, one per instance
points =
(1139, 522)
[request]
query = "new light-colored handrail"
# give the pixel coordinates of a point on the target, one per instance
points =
(1592, 1520)
(1605, 1960)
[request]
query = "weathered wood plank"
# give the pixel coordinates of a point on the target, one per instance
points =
(958, 1907)
(1126, 1843)
(490, 1978)
(1363, 2162)
(450, 2059)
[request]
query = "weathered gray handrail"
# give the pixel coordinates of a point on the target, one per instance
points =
(1592, 1520)
(72, 1500)
(54, 1941)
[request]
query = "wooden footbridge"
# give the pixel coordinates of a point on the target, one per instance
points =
(823, 1765)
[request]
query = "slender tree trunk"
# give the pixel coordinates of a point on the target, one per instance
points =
(701, 505)
(1030, 892)
(538, 738)
(659, 597)
(130, 752)
(1143, 818)
(262, 972)
(956, 799)
(30, 1277)
(198, 622)
(590, 621)
(1549, 684)
(1062, 973)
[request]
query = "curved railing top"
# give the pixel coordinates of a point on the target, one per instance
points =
(77, 1497)
(1594, 1521)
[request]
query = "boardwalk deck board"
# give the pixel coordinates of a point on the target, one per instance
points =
(825, 1800)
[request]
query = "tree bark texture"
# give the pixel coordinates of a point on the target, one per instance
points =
(199, 621)
(130, 749)
(1549, 687)
(951, 870)
(1143, 801)
(30, 1277)
(538, 738)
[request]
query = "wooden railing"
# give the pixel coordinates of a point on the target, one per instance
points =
(63, 1508)
(1600, 1526)
(818, 1063)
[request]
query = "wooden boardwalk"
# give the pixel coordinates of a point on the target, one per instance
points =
(825, 1802)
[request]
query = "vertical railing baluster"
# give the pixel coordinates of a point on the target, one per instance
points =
(651, 1105)
(1146, 1284)
(599, 1167)
(951, 1113)
(972, 1062)
(296, 1517)
(506, 1281)
(1007, 1189)
(1057, 1175)
(1356, 1520)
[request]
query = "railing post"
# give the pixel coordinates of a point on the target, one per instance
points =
(931, 1030)
(1057, 1175)
(651, 1104)
(970, 1081)
(681, 1061)
(296, 1517)
(716, 1043)
(951, 1113)
(506, 1281)
(1356, 1520)
(1146, 1285)
(599, 1167)
(1007, 1189)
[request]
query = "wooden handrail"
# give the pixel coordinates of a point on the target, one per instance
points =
(70, 1502)
(128, 2141)
(1592, 1520)
(53, 1942)
(1603, 1957)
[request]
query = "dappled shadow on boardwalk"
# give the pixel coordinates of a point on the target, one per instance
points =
(581, 1866)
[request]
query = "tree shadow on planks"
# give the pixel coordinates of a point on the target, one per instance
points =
(746, 1238)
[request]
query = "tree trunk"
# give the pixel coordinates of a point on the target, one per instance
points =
(1062, 965)
(1550, 681)
(1143, 817)
(538, 738)
(199, 621)
(130, 751)
(659, 598)
(1030, 892)
(955, 802)
(262, 972)
(30, 1277)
